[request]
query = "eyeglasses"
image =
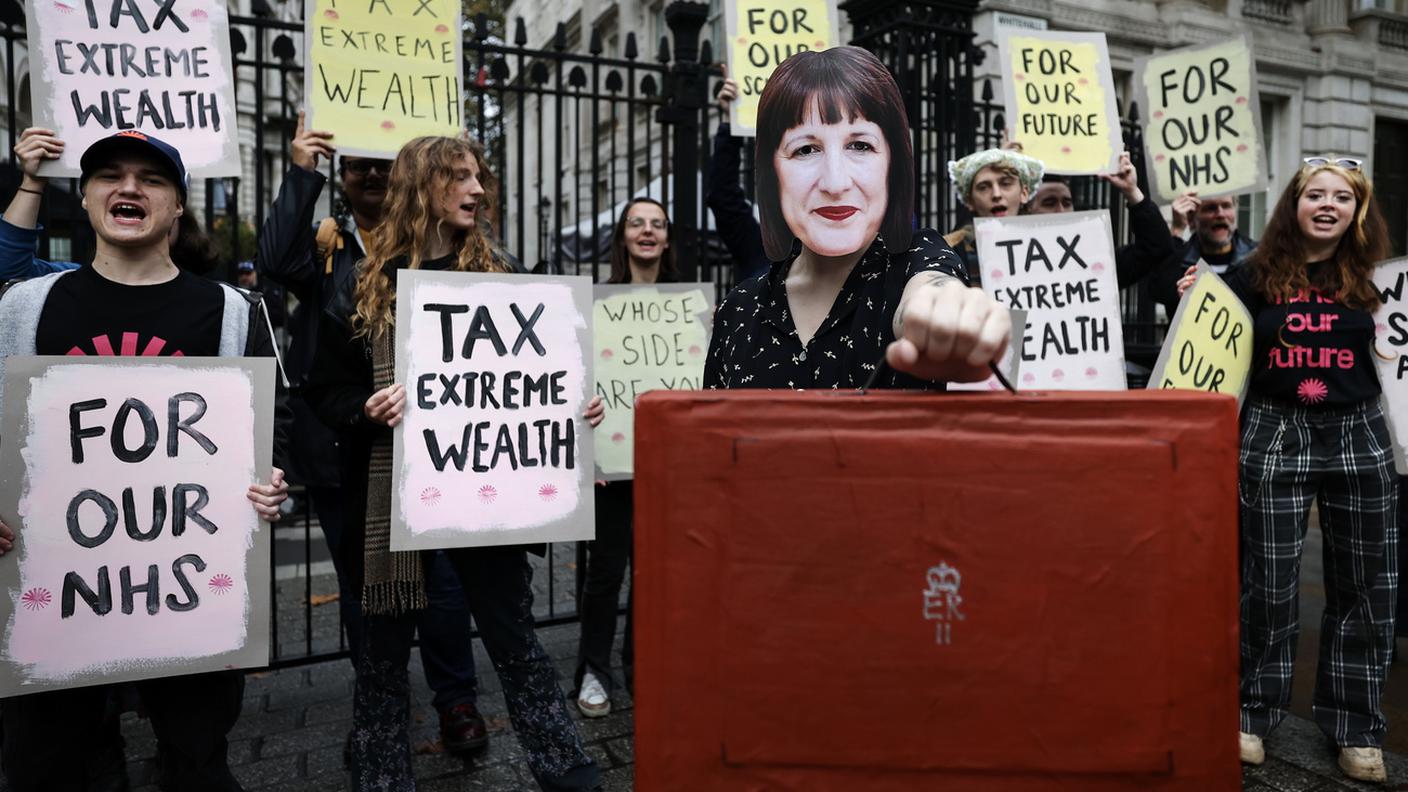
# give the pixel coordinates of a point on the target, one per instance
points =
(1348, 163)
(362, 167)
(639, 222)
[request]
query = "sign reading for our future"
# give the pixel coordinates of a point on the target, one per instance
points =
(1391, 352)
(159, 66)
(493, 448)
(1209, 342)
(1060, 99)
(1060, 269)
(762, 34)
(138, 554)
(653, 337)
(382, 72)
(1202, 128)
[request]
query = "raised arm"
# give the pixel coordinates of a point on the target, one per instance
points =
(19, 231)
(287, 250)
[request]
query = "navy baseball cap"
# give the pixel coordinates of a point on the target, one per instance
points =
(102, 151)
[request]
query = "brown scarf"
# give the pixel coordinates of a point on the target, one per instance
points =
(392, 583)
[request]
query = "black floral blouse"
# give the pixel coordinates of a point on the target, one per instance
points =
(755, 344)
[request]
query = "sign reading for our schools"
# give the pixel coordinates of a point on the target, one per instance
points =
(382, 72)
(493, 448)
(1059, 97)
(1391, 352)
(762, 34)
(164, 68)
(1202, 120)
(138, 554)
(647, 337)
(1060, 269)
(1209, 342)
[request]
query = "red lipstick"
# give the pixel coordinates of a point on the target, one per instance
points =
(836, 212)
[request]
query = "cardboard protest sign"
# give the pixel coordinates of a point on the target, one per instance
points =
(381, 73)
(647, 337)
(1202, 127)
(1391, 352)
(493, 449)
(763, 33)
(1059, 97)
(1209, 342)
(1010, 364)
(164, 68)
(138, 554)
(1060, 269)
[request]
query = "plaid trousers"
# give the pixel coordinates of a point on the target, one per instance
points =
(1342, 457)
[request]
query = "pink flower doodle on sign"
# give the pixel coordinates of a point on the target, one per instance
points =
(1058, 374)
(430, 496)
(63, 8)
(607, 354)
(1091, 372)
(995, 274)
(200, 14)
(1029, 378)
(1312, 391)
(36, 599)
(695, 350)
(1097, 267)
(488, 494)
(221, 584)
(547, 492)
(618, 437)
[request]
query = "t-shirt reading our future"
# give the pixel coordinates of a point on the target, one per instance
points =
(87, 314)
(1310, 349)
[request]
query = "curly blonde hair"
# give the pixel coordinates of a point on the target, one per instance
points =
(420, 176)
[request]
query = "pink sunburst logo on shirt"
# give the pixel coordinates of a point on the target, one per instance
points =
(547, 492)
(221, 584)
(36, 599)
(1312, 391)
(488, 494)
(430, 496)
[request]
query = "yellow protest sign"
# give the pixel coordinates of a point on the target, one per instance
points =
(762, 34)
(1202, 120)
(1209, 342)
(649, 337)
(1060, 99)
(381, 72)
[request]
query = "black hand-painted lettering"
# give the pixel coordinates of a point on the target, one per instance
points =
(525, 329)
(75, 530)
(77, 433)
(181, 510)
(192, 598)
(176, 425)
(74, 585)
(129, 514)
(119, 432)
(152, 588)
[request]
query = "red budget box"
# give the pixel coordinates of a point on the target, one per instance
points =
(900, 591)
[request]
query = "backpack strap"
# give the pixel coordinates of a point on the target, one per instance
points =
(329, 241)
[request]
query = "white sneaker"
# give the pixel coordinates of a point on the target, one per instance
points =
(1363, 764)
(592, 699)
(1253, 752)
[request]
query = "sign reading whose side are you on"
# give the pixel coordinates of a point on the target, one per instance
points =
(761, 34)
(1209, 342)
(1202, 127)
(493, 448)
(1059, 96)
(648, 337)
(138, 554)
(1060, 269)
(1391, 352)
(382, 72)
(103, 66)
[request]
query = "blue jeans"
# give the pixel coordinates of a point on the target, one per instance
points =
(446, 651)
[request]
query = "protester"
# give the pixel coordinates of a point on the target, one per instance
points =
(191, 249)
(733, 217)
(314, 266)
(1313, 429)
(641, 252)
(835, 171)
(991, 183)
(134, 191)
(1052, 196)
(1215, 240)
(430, 221)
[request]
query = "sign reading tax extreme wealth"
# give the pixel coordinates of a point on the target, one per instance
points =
(761, 34)
(648, 337)
(1059, 96)
(382, 72)
(164, 68)
(493, 448)
(138, 554)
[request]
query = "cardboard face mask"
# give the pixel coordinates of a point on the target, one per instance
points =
(833, 158)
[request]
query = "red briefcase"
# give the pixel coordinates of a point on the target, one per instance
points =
(916, 592)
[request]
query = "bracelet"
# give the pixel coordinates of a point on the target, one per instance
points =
(33, 192)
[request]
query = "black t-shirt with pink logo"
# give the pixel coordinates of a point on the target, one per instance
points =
(1309, 350)
(87, 314)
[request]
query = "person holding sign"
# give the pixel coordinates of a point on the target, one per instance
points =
(1216, 240)
(1313, 429)
(733, 216)
(132, 300)
(991, 183)
(641, 252)
(431, 221)
(835, 173)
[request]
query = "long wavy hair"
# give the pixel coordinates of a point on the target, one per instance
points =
(1278, 266)
(621, 260)
(420, 176)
